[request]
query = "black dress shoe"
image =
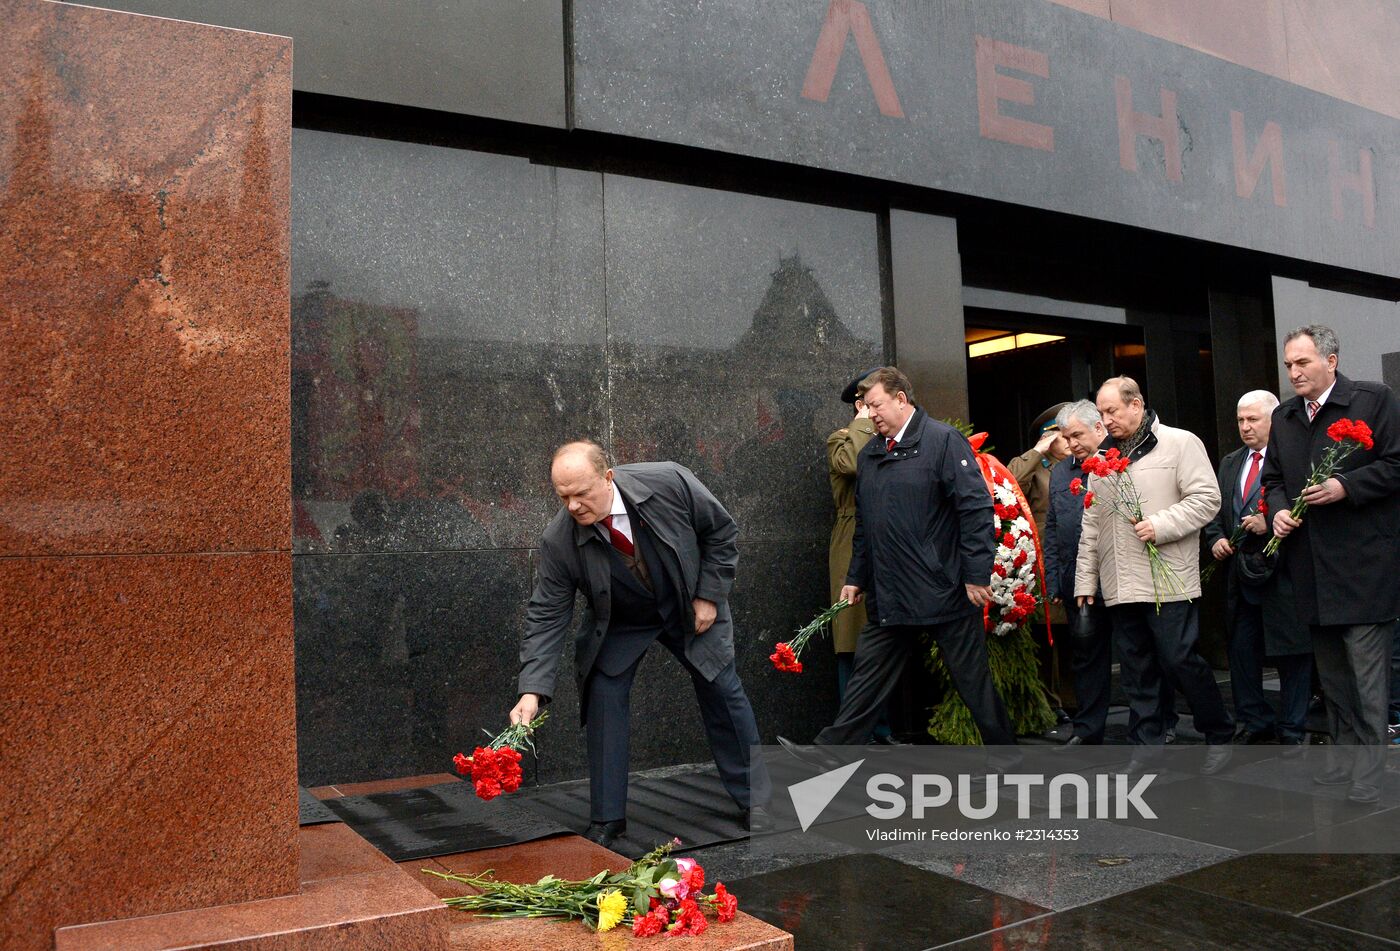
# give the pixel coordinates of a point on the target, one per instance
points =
(887, 740)
(1337, 776)
(1292, 746)
(1072, 741)
(760, 819)
(1364, 793)
(811, 755)
(605, 833)
(1169, 735)
(1217, 758)
(1247, 737)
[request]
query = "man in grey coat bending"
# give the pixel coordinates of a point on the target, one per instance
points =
(653, 553)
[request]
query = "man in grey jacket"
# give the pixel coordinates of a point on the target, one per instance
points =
(653, 553)
(1155, 619)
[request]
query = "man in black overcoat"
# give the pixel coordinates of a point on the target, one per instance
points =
(654, 553)
(1344, 555)
(921, 560)
(1260, 618)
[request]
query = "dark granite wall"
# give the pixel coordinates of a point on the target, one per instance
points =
(455, 316)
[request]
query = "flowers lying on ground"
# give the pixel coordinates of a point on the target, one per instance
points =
(495, 767)
(655, 895)
(1347, 436)
(1126, 503)
(786, 653)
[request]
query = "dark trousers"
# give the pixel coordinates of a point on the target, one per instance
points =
(724, 709)
(1247, 661)
(882, 652)
(1093, 675)
(1354, 664)
(845, 663)
(1156, 645)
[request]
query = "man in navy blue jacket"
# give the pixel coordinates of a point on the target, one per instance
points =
(922, 561)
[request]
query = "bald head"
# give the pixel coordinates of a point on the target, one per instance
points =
(582, 480)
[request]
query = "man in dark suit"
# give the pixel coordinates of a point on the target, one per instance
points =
(1343, 556)
(653, 553)
(1253, 631)
(922, 562)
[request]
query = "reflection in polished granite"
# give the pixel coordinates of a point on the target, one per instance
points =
(393, 656)
(1375, 912)
(455, 316)
(448, 330)
(1292, 882)
(1165, 918)
(1106, 860)
(868, 901)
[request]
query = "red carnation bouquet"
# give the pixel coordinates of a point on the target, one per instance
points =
(495, 767)
(1347, 436)
(1126, 503)
(786, 653)
(655, 895)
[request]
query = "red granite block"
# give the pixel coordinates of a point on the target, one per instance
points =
(144, 283)
(147, 746)
(334, 850)
(383, 909)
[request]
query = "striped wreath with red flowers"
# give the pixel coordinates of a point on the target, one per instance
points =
(1013, 573)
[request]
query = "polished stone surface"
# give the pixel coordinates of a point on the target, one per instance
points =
(448, 328)
(846, 902)
(1001, 100)
(1375, 912)
(143, 257)
(148, 744)
(498, 58)
(1292, 882)
(455, 317)
(1106, 860)
(403, 660)
(1166, 918)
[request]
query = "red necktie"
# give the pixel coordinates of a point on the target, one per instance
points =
(1254, 460)
(620, 541)
(1313, 407)
(889, 445)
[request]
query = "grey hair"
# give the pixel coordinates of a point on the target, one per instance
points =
(1324, 338)
(1082, 410)
(1258, 398)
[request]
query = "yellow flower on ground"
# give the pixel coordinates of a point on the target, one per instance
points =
(612, 907)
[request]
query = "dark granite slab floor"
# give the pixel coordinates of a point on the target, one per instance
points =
(869, 901)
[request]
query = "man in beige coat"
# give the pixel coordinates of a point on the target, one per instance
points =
(1155, 625)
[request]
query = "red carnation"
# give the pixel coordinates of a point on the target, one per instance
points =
(999, 570)
(1088, 499)
(1076, 486)
(1020, 558)
(725, 904)
(784, 659)
(644, 926)
(1008, 540)
(463, 764)
(1263, 506)
(690, 920)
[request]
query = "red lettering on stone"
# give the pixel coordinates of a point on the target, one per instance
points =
(1359, 181)
(1267, 151)
(993, 86)
(1132, 124)
(844, 17)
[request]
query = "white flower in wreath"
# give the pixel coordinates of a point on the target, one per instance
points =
(1020, 526)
